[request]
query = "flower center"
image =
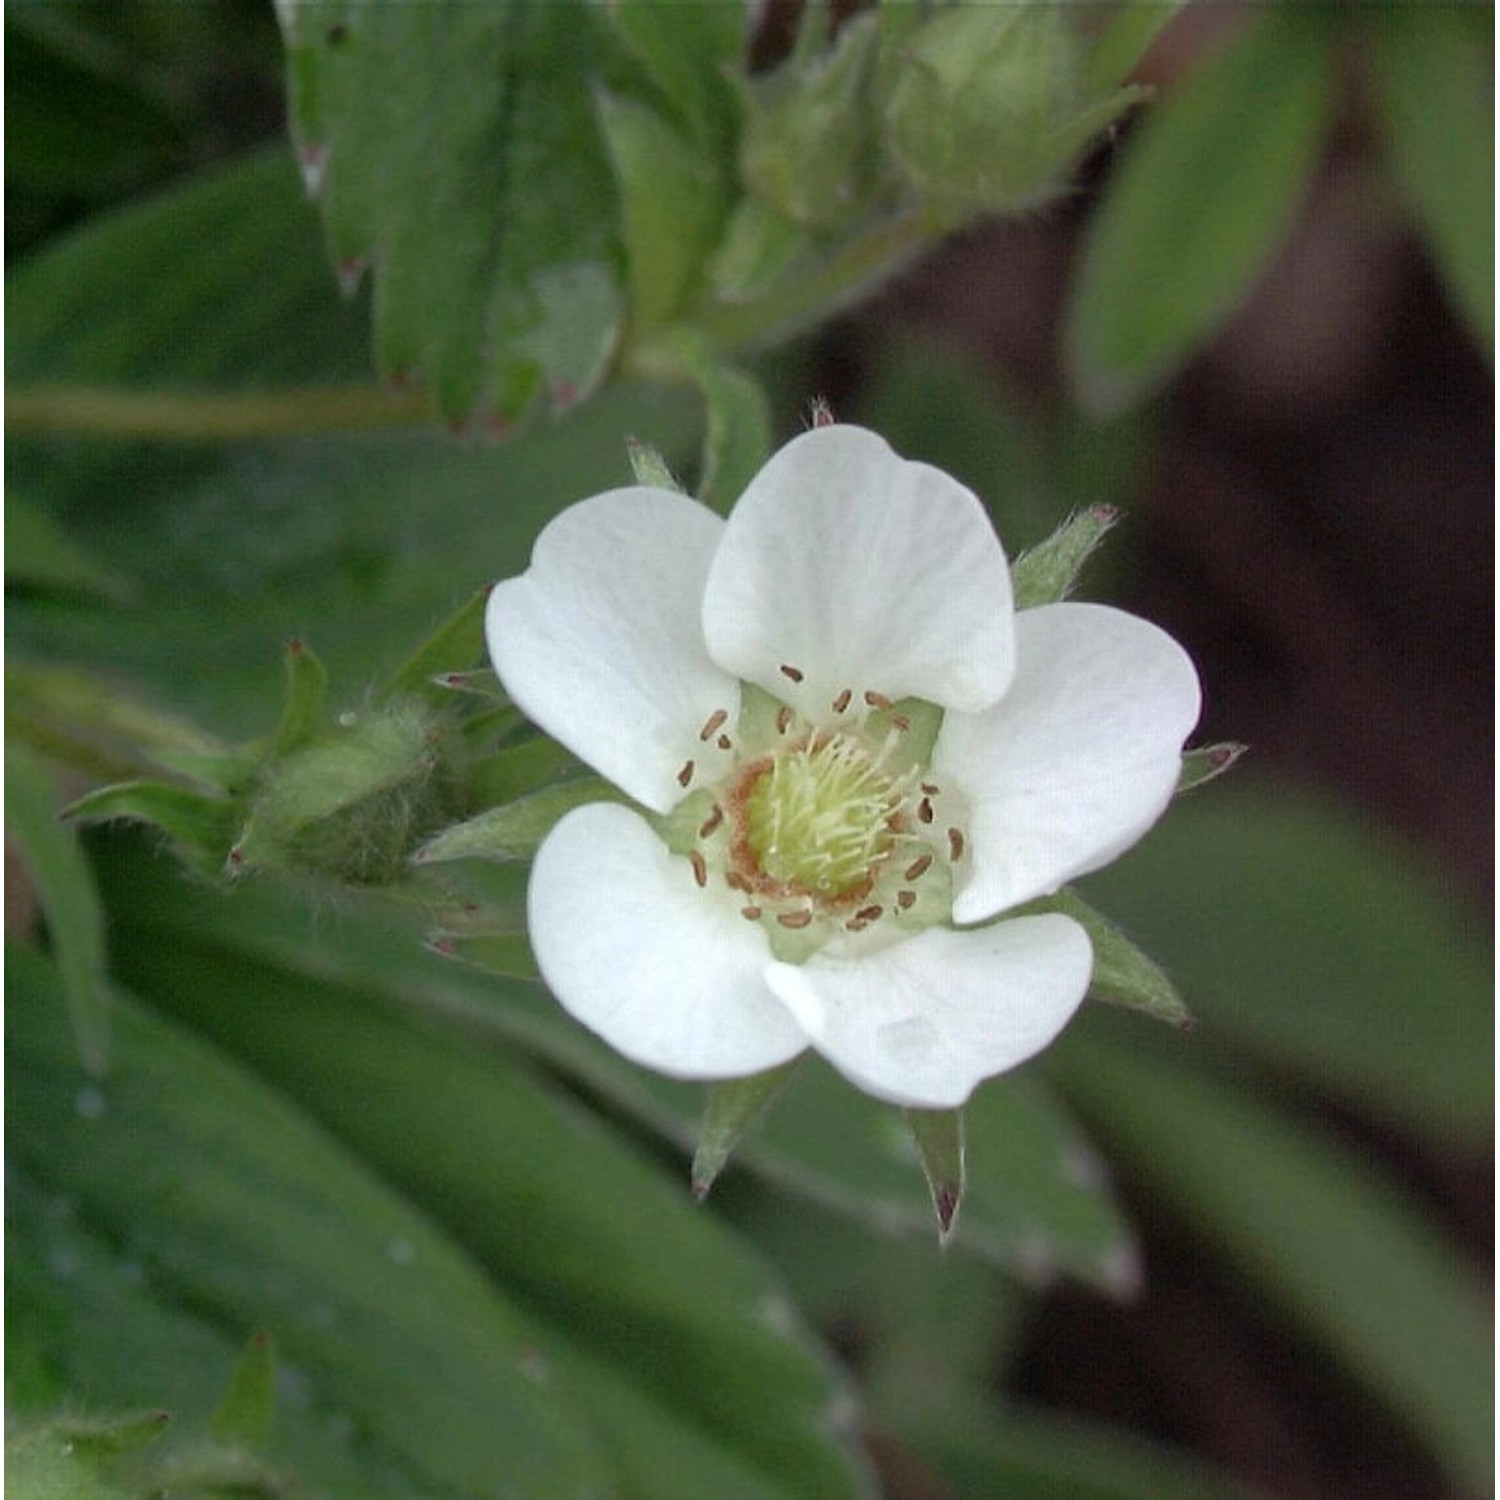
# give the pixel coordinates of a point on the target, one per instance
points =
(821, 817)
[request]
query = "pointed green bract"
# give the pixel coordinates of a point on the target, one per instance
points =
(1123, 974)
(505, 953)
(939, 1134)
(306, 696)
(1129, 29)
(454, 646)
(201, 826)
(518, 770)
(731, 1108)
(65, 890)
(1207, 762)
(245, 1413)
(514, 830)
(1050, 570)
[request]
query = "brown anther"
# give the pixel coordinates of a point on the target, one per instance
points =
(955, 844)
(724, 742)
(918, 867)
(700, 866)
(877, 700)
(855, 925)
(869, 913)
(906, 899)
(715, 719)
(930, 788)
(794, 918)
(685, 775)
(750, 913)
(793, 672)
(901, 722)
(842, 701)
(736, 882)
(783, 719)
(711, 822)
(924, 807)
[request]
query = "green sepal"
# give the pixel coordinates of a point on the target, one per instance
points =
(247, 1407)
(196, 822)
(1051, 569)
(514, 831)
(64, 886)
(507, 954)
(306, 700)
(453, 647)
(759, 250)
(229, 769)
(1122, 41)
(1207, 762)
(481, 682)
(517, 770)
(730, 1108)
(939, 1138)
(1123, 974)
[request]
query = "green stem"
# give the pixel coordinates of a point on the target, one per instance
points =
(190, 416)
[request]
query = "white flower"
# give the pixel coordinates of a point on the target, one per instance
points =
(852, 755)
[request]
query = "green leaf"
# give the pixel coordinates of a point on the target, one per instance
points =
(1313, 1227)
(245, 1412)
(1206, 192)
(1316, 942)
(40, 554)
(689, 49)
(610, 1253)
(1050, 570)
(730, 1109)
(65, 889)
(232, 1202)
(939, 1136)
(673, 204)
(484, 203)
(1433, 69)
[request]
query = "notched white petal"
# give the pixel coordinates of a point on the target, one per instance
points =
(845, 566)
(921, 1023)
(1076, 762)
(600, 640)
(666, 972)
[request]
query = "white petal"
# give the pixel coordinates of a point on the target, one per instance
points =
(666, 973)
(922, 1022)
(860, 570)
(600, 640)
(1076, 762)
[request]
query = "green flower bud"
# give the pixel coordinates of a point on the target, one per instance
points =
(987, 107)
(354, 804)
(808, 144)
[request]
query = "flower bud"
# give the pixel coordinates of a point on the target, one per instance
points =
(808, 138)
(987, 108)
(355, 803)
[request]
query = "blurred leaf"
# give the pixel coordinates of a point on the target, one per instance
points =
(232, 1203)
(607, 1250)
(1321, 944)
(1203, 196)
(65, 890)
(245, 1412)
(40, 554)
(454, 148)
(1434, 71)
(738, 440)
(1314, 1226)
